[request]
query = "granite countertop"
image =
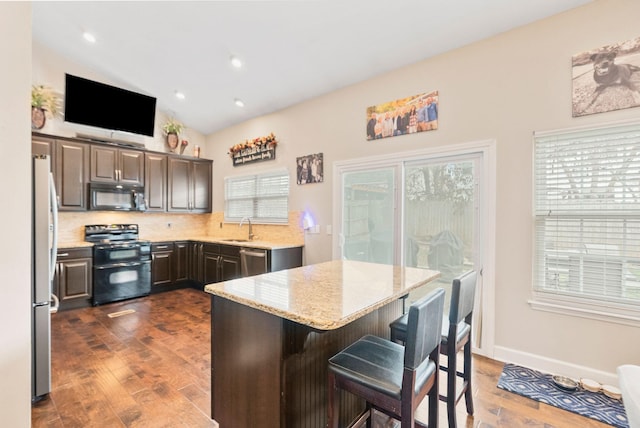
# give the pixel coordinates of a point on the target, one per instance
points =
(324, 296)
(240, 243)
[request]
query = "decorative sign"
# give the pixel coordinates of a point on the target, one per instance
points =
(257, 150)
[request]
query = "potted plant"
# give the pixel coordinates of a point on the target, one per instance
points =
(172, 128)
(44, 102)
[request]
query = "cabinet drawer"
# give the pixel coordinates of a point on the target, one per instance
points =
(161, 246)
(230, 250)
(74, 253)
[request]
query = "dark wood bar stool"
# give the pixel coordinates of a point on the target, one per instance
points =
(393, 379)
(456, 335)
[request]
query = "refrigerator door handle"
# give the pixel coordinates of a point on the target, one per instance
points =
(55, 304)
(53, 201)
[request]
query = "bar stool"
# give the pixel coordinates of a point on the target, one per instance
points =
(393, 379)
(458, 327)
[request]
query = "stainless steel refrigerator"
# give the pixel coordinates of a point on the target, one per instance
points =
(44, 250)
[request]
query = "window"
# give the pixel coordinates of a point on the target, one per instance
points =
(587, 221)
(264, 197)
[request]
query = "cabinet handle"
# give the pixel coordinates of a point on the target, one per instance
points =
(162, 247)
(63, 254)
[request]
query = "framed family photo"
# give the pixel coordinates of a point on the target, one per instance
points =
(309, 169)
(403, 116)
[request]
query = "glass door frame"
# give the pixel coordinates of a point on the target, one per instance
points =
(487, 216)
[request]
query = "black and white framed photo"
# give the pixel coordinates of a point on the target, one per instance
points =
(309, 169)
(606, 78)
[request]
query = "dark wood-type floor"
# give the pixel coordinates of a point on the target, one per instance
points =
(151, 368)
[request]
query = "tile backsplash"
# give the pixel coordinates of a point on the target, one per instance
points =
(165, 226)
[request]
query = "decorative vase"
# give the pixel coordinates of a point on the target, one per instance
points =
(38, 118)
(172, 141)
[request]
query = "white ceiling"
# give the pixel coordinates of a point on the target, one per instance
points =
(292, 50)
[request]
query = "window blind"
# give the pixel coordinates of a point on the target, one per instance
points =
(587, 214)
(263, 198)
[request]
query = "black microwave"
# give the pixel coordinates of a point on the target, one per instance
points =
(116, 197)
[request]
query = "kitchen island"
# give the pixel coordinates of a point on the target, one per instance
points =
(272, 334)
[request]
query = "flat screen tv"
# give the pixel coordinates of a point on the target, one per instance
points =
(91, 103)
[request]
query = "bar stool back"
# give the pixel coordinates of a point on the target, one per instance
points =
(456, 336)
(393, 379)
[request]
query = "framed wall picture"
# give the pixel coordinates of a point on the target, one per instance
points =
(606, 78)
(309, 169)
(403, 116)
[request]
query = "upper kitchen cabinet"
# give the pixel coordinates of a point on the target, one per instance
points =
(189, 184)
(71, 174)
(155, 181)
(43, 146)
(117, 165)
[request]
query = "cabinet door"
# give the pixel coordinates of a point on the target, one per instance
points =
(131, 167)
(104, 164)
(181, 261)
(201, 196)
(162, 264)
(229, 268)
(42, 146)
(73, 279)
(72, 163)
(195, 261)
(210, 266)
(179, 181)
(155, 185)
(113, 165)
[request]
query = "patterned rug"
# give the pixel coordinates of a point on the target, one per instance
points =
(539, 386)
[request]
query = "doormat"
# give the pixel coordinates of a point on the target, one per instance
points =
(121, 313)
(540, 387)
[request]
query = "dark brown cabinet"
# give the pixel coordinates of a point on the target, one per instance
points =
(43, 146)
(71, 174)
(117, 165)
(162, 264)
(189, 185)
(169, 265)
(155, 181)
(181, 261)
(172, 183)
(229, 263)
(73, 279)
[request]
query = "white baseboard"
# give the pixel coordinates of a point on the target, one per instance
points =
(551, 366)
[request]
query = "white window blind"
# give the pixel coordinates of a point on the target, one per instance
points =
(264, 197)
(587, 215)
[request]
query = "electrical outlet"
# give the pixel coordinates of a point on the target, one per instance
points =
(329, 229)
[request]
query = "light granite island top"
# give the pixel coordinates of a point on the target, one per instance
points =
(272, 334)
(324, 296)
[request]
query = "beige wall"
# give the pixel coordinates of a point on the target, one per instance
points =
(15, 254)
(503, 88)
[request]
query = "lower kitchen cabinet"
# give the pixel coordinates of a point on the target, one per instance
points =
(161, 264)
(181, 261)
(73, 280)
(169, 265)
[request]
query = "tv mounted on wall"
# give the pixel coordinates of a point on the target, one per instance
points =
(91, 103)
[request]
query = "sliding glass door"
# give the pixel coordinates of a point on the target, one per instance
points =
(368, 215)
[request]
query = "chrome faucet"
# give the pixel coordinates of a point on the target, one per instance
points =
(250, 227)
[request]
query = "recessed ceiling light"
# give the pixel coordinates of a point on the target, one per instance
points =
(235, 61)
(180, 95)
(239, 102)
(89, 37)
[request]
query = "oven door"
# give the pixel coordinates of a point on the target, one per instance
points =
(120, 281)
